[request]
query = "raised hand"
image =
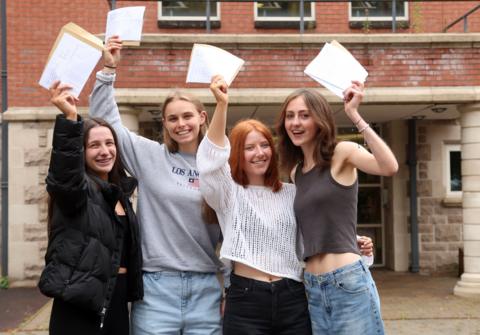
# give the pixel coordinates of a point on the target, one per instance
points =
(111, 53)
(219, 88)
(352, 98)
(61, 96)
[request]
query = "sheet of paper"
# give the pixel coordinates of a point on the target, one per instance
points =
(335, 68)
(71, 62)
(126, 22)
(207, 61)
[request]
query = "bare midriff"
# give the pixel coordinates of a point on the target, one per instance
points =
(249, 272)
(323, 263)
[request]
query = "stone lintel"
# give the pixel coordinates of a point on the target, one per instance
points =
(306, 40)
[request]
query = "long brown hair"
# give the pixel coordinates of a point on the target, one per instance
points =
(179, 95)
(114, 176)
(325, 139)
(118, 169)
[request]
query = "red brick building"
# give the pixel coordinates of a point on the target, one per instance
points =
(421, 80)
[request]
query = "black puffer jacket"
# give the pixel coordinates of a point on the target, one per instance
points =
(86, 237)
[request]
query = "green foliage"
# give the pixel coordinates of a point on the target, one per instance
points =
(3, 282)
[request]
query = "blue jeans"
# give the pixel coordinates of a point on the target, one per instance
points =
(177, 302)
(344, 301)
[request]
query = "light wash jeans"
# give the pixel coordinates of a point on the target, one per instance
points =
(344, 301)
(186, 303)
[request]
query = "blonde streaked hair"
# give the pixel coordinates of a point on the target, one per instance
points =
(183, 96)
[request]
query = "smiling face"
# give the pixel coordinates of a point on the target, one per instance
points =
(183, 121)
(299, 123)
(257, 155)
(100, 151)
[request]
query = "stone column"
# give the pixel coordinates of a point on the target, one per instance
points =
(469, 284)
(129, 116)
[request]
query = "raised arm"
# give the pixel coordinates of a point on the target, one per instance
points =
(103, 105)
(216, 182)
(66, 181)
(381, 160)
(216, 131)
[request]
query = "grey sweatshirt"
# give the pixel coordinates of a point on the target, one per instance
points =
(174, 235)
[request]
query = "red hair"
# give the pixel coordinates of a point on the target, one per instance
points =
(237, 138)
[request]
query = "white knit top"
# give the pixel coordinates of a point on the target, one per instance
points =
(258, 225)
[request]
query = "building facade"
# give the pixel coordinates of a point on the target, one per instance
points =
(422, 95)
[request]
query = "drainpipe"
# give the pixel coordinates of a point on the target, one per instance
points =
(4, 183)
(113, 5)
(394, 16)
(208, 24)
(412, 164)
(302, 17)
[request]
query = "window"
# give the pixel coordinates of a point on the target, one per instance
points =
(453, 171)
(283, 12)
(379, 10)
(192, 13)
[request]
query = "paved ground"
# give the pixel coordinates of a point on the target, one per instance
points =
(411, 304)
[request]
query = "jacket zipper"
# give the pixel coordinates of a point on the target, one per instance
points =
(102, 316)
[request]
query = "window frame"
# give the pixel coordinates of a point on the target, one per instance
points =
(257, 18)
(448, 148)
(187, 18)
(352, 18)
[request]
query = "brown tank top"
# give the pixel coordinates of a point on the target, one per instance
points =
(326, 212)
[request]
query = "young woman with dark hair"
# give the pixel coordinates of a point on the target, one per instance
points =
(342, 295)
(93, 260)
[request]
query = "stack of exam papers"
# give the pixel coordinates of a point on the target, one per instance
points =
(72, 59)
(335, 68)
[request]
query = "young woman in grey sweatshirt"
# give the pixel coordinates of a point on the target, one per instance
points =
(182, 293)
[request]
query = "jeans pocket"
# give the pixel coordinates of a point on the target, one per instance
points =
(237, 292)
(352, 283)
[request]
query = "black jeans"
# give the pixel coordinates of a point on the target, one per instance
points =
(254, 307)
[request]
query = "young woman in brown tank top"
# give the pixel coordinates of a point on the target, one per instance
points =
(339, 285)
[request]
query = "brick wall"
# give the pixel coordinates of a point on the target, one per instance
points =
(29, 42)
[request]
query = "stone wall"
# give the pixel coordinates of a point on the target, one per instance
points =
(29, 154)
(440, 225)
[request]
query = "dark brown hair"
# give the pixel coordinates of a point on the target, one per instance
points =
(325, 139)
(114, 176)
(118, 169)
(178, 95)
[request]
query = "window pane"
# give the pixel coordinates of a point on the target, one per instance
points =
(282, 8)
(369, 205)
(455, 171)
(376, 8)
(188, 8)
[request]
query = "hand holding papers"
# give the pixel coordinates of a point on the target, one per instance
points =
(335, 68)
(127, 23)
(72, 58)
(207, 61)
